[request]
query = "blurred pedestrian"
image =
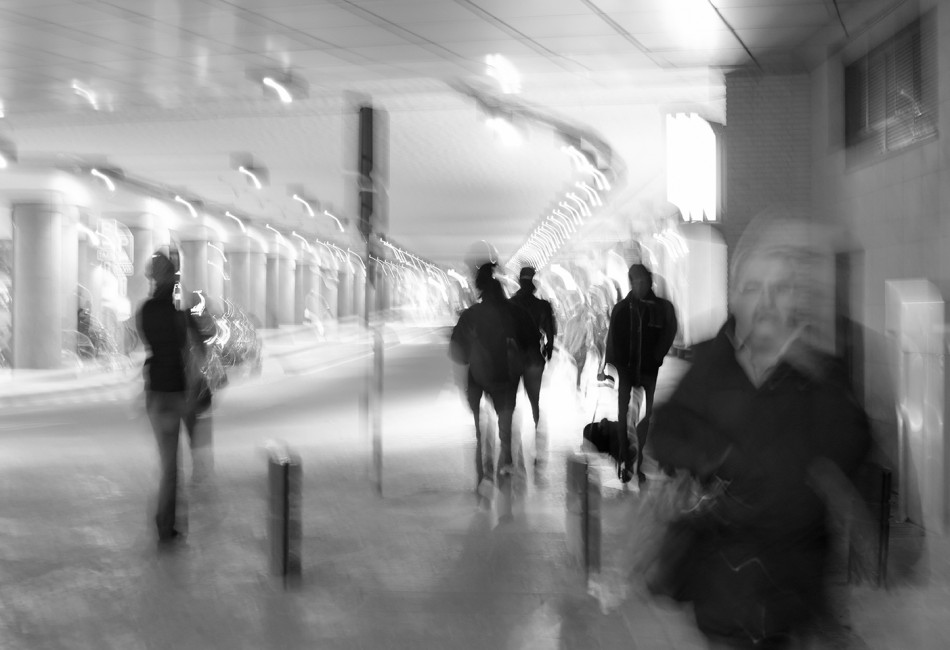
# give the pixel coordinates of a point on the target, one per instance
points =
(542, 316)
(767, 424)
(490, 340)
(204, 375)
(163, 330)
(641, 332)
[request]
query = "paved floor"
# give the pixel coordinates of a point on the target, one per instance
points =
(422, 566)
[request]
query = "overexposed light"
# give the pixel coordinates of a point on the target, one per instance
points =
(560, 227)
(581, 203)
(694, 24)
(572, 210)
(93, 237)
(87, 94)
(504, 131)
(504, 72)
(691, 166)
(3, 112)
(221, 252)
(592, 194)
(568, 279)
(338, 224)
(190, 207)
(247, 172)
(282, 92)
(460, 278)
(199, 307)
(306, 244)
(305, 203)
(3, 162)
(239, 222)
(105, 179)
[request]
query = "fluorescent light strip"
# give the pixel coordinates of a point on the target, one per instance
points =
(190, 207)
(240, 223)
(247, 172)
(306, 204)
(339, 225)
(282, 92)
(105, 179)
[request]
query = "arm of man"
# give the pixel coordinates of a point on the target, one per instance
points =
(614, 332)
(668, 335)
(550, 331)
(459, 343)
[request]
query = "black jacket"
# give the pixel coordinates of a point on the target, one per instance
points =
(641, 333)
(543, 316)
(493, 322)
(162, 328)
(765, 544)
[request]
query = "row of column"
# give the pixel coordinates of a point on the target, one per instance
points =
(53, 256)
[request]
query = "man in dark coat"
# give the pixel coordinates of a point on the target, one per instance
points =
(770, 420)
(641, 332)
(491, 338)
(542, 315)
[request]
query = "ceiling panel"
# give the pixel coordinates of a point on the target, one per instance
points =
(407, 12)
(569, 45)
(813, 13)
(456, 31)
(550, 26)
(314, 16)
(704, 41)
(356, 37)
(776, 38)
(506, 9)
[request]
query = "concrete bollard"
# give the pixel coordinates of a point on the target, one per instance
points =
(284, 520)
(583, 514)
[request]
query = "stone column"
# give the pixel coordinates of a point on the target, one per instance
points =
(37, 283)
(216, 268)
(69, 254)
(239, 269)
(272, 292)
(285, 308)
(302, 288)
(194, 269)
(143, 247)
(344, 292)
(257, 276)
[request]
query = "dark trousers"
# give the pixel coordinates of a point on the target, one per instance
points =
(503, 399)
(166, 412)
(625, 387)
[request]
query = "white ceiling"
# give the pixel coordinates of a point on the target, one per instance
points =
(173, 80)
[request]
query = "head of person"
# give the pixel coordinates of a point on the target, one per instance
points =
(526, 278)
(162, 272)
(641, 281)
(772, 280)
(486, 283)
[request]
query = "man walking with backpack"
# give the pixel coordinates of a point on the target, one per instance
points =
(641, 332)
(542, 316)
(490, 338)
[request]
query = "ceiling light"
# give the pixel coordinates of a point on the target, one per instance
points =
(306, 204)
(3, 162)
(504, 72)
(240, 223)
(504, 131)
(190, 207)
(105, 179)
(281, 91)
(339, 225)
(247, 172)
(88, 95)
(306, 244)
(3, 112)
(584, 208)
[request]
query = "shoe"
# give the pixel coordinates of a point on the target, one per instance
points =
(641, 477)
(506, 470)
(486, 488)
(626, 475)
(170, 540)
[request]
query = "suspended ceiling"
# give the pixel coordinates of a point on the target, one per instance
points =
(178, 94)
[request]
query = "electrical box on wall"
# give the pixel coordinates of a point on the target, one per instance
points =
(914, 325)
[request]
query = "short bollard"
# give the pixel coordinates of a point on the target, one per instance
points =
(583, 514)
(284, 529)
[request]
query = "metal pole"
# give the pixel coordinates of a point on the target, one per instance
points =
(284, 526)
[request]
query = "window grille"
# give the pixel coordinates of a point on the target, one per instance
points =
(891, 93)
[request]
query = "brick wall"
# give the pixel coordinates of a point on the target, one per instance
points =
(767, 146)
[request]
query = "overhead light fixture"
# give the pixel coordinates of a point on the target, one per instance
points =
(281, 91)
(88, 95)
(306, 204)
(591, 193)
(221, 252)
(3, 162)
(105, 179)
(584, 208)
(240, 223)
(339, 225)
(251, 175)
(504, 131)
(504, 72)
(306, 244)
(190, 207)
